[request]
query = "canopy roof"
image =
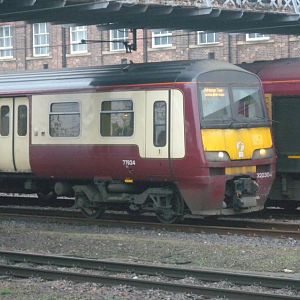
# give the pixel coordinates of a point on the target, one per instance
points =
(264, 16)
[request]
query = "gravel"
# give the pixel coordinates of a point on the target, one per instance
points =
(279, 256)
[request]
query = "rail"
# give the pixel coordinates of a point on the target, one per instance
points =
(171, 272)
(227, 227)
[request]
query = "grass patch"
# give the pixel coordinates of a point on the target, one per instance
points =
(5, 292)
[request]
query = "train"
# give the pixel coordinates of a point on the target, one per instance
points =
(166, 138)
(281, 84)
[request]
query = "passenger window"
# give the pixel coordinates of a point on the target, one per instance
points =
(117, 118)
(160, 124)
(4, 128)
(64, 119)
(22, 120)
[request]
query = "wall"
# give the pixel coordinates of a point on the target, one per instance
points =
(230, 47)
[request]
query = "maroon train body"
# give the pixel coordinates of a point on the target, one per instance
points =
(169, 138)
(281, 83)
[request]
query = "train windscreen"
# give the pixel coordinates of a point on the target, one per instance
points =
(247, 104)
(231, 106)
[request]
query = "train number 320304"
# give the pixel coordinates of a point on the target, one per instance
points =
(264, 175)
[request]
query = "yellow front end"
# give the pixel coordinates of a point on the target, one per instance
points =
(238, 144)
(245, 157)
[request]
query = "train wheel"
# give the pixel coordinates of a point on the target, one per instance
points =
(93, 213)
(171, 211)
(88, 208)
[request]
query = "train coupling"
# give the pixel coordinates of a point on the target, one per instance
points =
(241, 193)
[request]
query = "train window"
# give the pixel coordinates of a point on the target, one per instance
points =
(22, 120)
(64, 119)
(117, 118)
(4, 129)
(248, 103)
(160, 123)
(215, 103)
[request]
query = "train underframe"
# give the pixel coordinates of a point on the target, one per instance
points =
(285, 191)
(162, 199)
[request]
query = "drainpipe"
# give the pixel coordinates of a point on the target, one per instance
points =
(229, 48)
(64, 47)
(25, 46)
(145, 45)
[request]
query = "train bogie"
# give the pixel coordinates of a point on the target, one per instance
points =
(167, 138)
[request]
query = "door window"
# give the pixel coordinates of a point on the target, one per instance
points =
(4, 128)
(160, 123)
(22, 120)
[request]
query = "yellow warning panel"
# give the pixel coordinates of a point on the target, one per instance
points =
(268, 99)
(240, 170)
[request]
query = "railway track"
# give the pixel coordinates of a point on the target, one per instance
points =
(112, 273)
(220, 226)
(63, 202)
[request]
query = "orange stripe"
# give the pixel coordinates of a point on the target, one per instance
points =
(282, 81)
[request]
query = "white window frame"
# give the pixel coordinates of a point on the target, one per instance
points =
(36, 46)
(256, 38)
(159, 35)
(75, 42)
(112, 37)
(7, 39)
(215, 34)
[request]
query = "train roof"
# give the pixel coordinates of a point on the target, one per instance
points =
(124, 74)
(280, 77)
(275, 70)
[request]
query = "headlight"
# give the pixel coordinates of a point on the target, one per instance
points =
(263, 153)
(216, 156)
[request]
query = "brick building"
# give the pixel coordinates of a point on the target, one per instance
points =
(42, 46)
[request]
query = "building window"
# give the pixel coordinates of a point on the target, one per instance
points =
(160, 124)
(256, 37)
(117, 37)
(116, 118)
(4, 124)
(40, 39)
(6, 42)
(161, 38)
(64, 119)
(207, 38)
(78, 34)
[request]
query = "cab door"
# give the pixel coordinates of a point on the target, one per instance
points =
(14, 134)
(157, 124)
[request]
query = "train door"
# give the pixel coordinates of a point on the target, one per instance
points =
(14, 135)
(157, 128)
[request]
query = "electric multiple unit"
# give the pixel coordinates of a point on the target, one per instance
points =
(171, 138)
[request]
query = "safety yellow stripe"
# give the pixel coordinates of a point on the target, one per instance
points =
(294, 156)
(240, 170)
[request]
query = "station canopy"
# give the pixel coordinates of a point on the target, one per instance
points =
(262, 16)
